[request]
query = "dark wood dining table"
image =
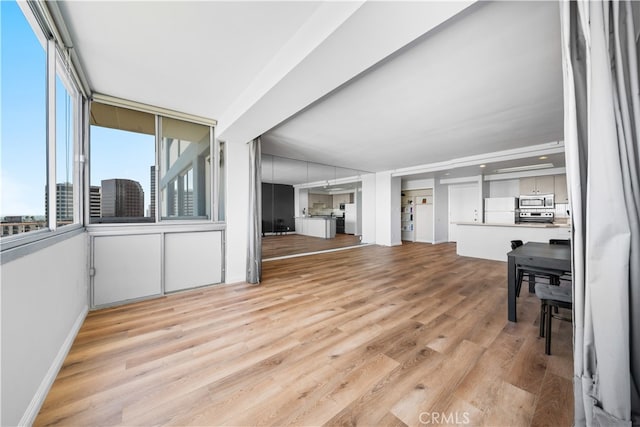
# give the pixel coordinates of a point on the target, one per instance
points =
(533, 254)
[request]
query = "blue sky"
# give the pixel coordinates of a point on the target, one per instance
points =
(114, 154)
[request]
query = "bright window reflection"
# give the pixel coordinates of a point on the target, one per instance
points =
(185, 168)
(64, 154)
(23, 136)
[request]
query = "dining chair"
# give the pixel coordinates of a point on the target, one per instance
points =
(566, 275)
(551, 276)
(552, 298)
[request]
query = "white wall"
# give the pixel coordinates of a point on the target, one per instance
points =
(387, 209)
(441, 212)
(417, 184)
(237, 211)
(301, 201)
(369, 208)
(505, 188)
(44, 302)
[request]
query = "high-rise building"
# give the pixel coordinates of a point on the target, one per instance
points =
(122, 198)
(64, 202)
(94, 201)
(152, 193)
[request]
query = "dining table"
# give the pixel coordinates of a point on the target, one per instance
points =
(533, 254)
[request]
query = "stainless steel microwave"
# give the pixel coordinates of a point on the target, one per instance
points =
(542, 201)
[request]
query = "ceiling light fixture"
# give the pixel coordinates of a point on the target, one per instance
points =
(543, 158)
(483, 166)
(525, 168)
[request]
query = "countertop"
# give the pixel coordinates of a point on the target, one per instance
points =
(522, 224)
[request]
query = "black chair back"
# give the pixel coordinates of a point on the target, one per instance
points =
(565, 242)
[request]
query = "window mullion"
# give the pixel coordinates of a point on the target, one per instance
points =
(51, 134)
(215, 175)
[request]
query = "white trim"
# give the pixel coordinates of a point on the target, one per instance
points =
(524, 174)
(32, 410)
(462, 180)
(498, 156)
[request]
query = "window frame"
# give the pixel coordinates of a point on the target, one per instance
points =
(43, 29)
(159, 113)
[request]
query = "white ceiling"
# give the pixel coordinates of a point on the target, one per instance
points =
(368, 86)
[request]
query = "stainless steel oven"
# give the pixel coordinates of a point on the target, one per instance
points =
(536, 215)
(539, 201)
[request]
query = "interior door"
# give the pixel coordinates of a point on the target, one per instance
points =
(464, 206)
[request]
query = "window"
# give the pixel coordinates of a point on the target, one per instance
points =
(129, 182)
(185, 170)
(122, 170)
(24, 125)
(65, 141)
(33, 74)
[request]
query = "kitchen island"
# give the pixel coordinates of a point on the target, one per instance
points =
(316, 226)
(493, 241)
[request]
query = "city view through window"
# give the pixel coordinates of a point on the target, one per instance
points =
(122, 176)
(23, 153)
(123, 179)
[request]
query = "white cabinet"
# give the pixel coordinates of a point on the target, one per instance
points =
(537, 185)
(342, 198)
(406, 218)
(126, 268)
(416, 215)
(424, 221)
(560, 191)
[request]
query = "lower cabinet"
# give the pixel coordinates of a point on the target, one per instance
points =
(128, 267)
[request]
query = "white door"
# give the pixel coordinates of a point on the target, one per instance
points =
(423, 220)
(464, 206)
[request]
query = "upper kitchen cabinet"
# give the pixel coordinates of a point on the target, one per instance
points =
(560, 191)
(342, 198)
(538, 185)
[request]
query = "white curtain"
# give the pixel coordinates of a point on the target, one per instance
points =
(602, 117)
(254, 243)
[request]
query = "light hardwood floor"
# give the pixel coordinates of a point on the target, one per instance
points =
(366, 336)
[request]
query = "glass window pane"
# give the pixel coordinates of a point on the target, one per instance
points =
(64, 154)
(23, 136)
(185, 170)
(122, 165)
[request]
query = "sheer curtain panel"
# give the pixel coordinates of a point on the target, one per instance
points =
(254, 244)
(602, 117)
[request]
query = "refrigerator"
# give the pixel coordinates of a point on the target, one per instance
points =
(500, 210)
(350, 218)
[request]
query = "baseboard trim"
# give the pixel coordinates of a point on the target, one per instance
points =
(30, 414)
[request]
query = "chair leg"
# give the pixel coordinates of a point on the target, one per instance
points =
(543, 310)
(532, 283)
(547, 338)
(519, 279)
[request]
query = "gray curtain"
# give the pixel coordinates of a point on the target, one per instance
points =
(254, 243)
(602, 116)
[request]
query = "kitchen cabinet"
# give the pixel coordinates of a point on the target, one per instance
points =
(560, 191)
(537, 185)
(342, 198)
